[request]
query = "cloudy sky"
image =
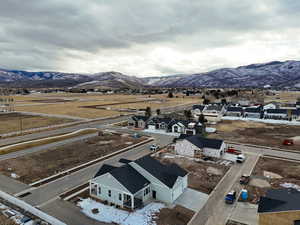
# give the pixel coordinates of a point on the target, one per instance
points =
(146, 37)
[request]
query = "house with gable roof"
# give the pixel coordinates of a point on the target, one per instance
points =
(137, 182)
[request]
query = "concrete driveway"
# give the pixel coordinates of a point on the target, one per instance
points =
(245, 213)
(192, 199)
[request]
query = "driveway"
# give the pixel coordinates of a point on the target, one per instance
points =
(192, 199)
(245, 213)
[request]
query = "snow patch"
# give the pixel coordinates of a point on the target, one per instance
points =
(110, 214)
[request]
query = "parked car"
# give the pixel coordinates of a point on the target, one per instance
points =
(154, 147)
(288, 142)
(240, 158)
(245, 179)
(136, 135)
(230, 197)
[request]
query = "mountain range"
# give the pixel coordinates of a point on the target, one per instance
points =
(275, 74)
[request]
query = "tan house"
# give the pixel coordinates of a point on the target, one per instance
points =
(280, 207)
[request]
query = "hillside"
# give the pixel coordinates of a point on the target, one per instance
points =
(275, 74)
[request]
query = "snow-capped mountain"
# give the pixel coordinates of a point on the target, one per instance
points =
(274, 74)
(255, 75)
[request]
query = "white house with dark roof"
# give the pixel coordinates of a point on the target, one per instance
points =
(138, 182)
(197, 146)
(214, 112)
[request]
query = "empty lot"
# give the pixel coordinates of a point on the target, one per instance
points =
(256, 133)
(32, 167)
(203, 176)
(10, 122)
(272, 173)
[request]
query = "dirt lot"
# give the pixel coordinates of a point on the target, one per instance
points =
(5, 221)
(12, 122)
(256, 133)
(32, 167)
(272, 172)
(176, 216)
(204, 176)
(79, 105)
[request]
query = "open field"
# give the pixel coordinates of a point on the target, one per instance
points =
(256, 133)
(10, 122)
(32, 167)
(283, 96)
(272, 173)
(203, 176)
(82, 105)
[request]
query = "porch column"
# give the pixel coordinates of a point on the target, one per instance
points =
(132, 202)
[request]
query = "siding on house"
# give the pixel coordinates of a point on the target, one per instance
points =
(108, 183)
(163, 193)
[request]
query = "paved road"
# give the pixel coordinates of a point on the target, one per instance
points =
(215, 212)
(11, 186)
(266, 151)
(51, 190)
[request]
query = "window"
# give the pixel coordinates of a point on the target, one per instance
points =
(147, 191)
(99, 190)
(109, 193)
(120, 197)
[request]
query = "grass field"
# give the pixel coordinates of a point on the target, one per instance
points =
(15, 121)
(284, 96)
(76, 104)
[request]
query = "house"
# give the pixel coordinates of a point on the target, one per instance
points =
(295, 114)
(157, 123)
(271, 105)
(279, 207)
(214, 113)
(234, 111)
(197, 146)
(253, 112)
(175, 126)
(197, 109)
(137, 121)
(137, 182)
(185, 127)
(277, 114)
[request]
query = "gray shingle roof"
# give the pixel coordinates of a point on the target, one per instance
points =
(253, 110)
(214, 107)
(202, 142)
(130, 178)
(279, 200)
(234, 109)
(167, 174)
(277, 111)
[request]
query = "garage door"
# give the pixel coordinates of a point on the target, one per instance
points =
(177, 192)
(151, 127)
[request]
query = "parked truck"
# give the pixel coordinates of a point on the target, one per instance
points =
(230, 197)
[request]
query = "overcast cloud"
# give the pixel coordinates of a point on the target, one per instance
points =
(146, 37)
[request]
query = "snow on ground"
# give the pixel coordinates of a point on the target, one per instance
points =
(161, 132)
(290, 185)
(296, 123)
(109, 214)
